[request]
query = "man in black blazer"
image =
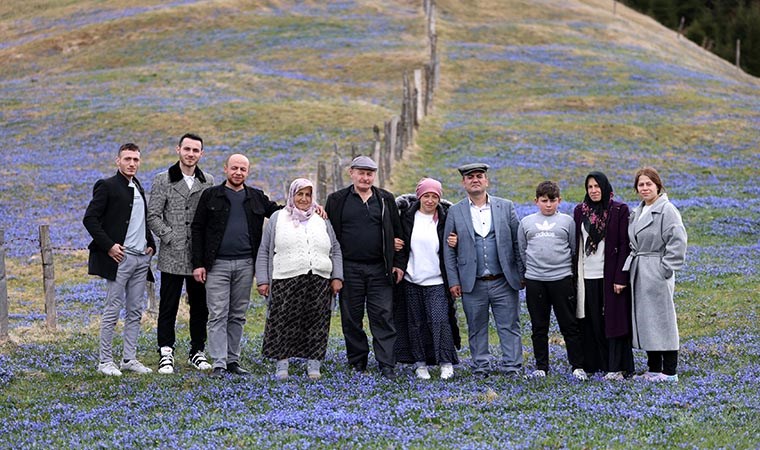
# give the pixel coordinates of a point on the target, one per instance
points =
(120, 252)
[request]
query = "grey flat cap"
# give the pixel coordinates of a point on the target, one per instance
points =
(474, 167)
(363, 162)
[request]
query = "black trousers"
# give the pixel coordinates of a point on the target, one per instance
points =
(171, 289)
(599, 352)
(366, 285)
(665, 362)
(542, 297)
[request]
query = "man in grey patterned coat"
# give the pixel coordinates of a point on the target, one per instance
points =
(173, 200)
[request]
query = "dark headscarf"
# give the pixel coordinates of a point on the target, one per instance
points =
(596, 214)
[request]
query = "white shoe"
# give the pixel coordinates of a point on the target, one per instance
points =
(614, 376)
(579, 374)
(134, 365)
(538, 373)
(312, 369)
(422, 373)
(281, 370)
(662, 378)
(166, 363)
(109, 369)
(447, 371)
(198, 361)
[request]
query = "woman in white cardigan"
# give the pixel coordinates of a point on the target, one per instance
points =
(658, 250)
(299, 267)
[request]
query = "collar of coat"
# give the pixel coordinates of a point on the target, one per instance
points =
(120, 176)
(175, 173)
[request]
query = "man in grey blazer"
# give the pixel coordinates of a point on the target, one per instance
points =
(173, 200)
(484, 269)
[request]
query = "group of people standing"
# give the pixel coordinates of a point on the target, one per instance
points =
(405, 263)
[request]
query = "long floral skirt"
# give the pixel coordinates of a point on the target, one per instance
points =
(298, 318)
(424, 333)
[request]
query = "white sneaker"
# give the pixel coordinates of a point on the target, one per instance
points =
(198, 361)
(614, 376)
(312, 369)
(447, 371)
(538, 373)
(166, 363)
(579, 374)
(422, 373)
(109, 369)
(662, 378)
(646, 376)
(136, 366)
(281, 370)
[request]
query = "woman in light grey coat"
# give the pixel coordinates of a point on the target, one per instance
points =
(658, 249)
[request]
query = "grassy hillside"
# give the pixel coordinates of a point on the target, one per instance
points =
(538, 89)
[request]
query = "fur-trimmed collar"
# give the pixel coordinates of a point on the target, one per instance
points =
(175, 173)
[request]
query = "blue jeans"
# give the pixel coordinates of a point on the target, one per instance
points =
(504, 303)
(228, 294)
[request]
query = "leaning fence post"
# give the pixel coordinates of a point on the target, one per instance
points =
(48, 277)
(3, 291)
(419, 107)
(321, 182)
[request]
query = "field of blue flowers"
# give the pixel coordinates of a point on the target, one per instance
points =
(545, 89)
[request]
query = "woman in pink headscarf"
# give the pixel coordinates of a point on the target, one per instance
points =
(426, 335)
(299, 267)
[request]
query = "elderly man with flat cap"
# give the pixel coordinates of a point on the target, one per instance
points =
(367, 224)
(484, 269)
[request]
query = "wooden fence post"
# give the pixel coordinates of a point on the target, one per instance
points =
(419, 108)
(3, 291)
(337, 171)
(680, 27)
(153, 301)
(321, 182)
(48, 277)
(406, 114)
(738, 52)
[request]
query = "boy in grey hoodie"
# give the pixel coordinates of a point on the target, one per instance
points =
(547, 242)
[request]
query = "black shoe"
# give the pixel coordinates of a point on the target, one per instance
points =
(218, 372)
(480, 373)
(388, 373)
(359, 367)
(235, 368)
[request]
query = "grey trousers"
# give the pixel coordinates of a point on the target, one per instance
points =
(228, 294)
(127, 291)
(503, 301)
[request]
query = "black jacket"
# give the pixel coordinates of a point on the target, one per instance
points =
(107, 219)
(408, 205)
(390, 217)
(210, 221)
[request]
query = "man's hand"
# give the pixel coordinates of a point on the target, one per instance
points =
(263, 290)
(149, 251)
(200, 274)
(398, 244)
(321, 212)
(399, 274)
(452, 240)
(618, 288)
(456, 291)
(116, 253)
(336, 286)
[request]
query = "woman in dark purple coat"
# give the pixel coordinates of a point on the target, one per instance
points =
(604, 294)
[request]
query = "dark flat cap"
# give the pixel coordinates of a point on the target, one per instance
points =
(474, 167)
(363, 162)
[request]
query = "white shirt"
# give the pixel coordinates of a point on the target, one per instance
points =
(135, 240)
(593, 264)
(481, 217)
(189, 180)
(424, 268)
